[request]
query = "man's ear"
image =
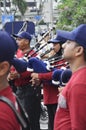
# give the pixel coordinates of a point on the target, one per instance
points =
(79, 50)
(4, 68)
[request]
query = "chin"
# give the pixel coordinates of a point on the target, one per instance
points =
(64, 57)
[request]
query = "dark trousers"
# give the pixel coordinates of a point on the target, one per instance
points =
(30, 98)
(51, 108)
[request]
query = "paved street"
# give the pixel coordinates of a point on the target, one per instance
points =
(44, 118)
(44, 124)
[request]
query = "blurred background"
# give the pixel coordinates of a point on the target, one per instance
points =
(39, 16)
(44, 13)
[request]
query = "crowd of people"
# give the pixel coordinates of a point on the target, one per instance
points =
(24, 72)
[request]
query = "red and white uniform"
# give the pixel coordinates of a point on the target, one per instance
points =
(70, 114)
(49, 90)
(25, 77)
(8, 120)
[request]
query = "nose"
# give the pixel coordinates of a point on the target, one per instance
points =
(63, 45)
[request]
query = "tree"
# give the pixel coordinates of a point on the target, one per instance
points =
(71, 13)
(22, 5)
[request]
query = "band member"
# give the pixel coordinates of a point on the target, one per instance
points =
(29, 96)
(70, 114)
(8, 47)
(50, 92)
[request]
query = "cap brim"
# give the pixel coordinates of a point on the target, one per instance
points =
(66, 34)
(16, 35)
(53, 41)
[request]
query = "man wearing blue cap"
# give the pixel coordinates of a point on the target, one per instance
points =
(23, 40)
(8, 47)
(28, 95)
(70, 114)
(50, 92)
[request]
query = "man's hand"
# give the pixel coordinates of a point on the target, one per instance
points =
(13, 75)
(35, 80)
(34, 76)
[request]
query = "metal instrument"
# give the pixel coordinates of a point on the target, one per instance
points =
(38, 43)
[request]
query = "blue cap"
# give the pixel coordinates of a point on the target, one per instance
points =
(8, 46)
(78, 35)
(24, 35)
(57, 40)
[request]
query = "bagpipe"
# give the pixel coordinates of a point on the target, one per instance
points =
(21, 65)
(60, 77)
(39, 46)
(34, 64)
(38, 50)
(47, 64)
(56, 60)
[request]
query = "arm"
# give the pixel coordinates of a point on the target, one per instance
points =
(77, 107)
(15, 75)
(38, 77)
(45, 76)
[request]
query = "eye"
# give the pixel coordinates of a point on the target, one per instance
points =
(68, 41)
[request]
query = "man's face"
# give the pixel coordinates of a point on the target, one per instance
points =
(56, 47)
(69, 50)
(47, 38)
(22, 43)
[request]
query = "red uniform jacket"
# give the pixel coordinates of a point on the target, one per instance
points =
(25, 77)
(70, 114)
(49, 90)
(8, 120)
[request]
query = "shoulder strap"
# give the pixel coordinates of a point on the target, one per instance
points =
(23, 112)
(11, 105)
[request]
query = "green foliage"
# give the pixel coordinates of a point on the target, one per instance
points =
(21, 5)
(42, 22)
(71, 13)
